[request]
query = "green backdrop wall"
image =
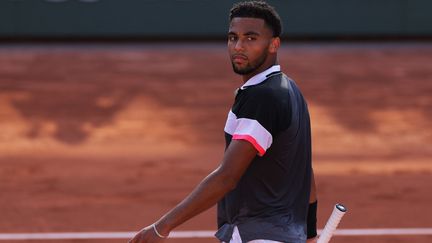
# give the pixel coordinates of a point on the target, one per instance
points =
(208, 18)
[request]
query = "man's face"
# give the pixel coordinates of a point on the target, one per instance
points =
(248, 44)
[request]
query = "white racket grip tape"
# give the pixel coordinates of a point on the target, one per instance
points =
(332, 223)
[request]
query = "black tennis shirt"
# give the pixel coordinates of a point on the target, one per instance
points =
(271, 199)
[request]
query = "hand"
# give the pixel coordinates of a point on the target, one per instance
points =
(146, 235)
(312, 240)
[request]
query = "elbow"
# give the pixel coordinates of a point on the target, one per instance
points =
(227, 181)
(230, 184)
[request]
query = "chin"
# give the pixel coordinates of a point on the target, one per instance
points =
(241, 71)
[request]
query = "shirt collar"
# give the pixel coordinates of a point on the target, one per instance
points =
(261, 77)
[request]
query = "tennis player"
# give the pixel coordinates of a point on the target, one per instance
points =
(264, 186)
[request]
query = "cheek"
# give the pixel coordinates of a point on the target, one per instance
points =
(258, 50)
(259, 46)
(230, 47)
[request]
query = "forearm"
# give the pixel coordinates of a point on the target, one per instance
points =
(204, 196)
(237, 158)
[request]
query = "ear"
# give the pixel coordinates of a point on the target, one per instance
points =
(274, 45)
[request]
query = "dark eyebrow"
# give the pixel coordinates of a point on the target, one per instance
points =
(252, 33)
(247, 33)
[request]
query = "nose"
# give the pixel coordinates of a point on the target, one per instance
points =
(238, 46)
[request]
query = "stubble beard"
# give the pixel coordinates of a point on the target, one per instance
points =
(250, 67)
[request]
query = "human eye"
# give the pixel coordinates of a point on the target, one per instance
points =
(251, 38)
(232, 38)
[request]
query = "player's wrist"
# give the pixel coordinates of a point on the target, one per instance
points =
(161, 229)
(312, 220)
(159, 234)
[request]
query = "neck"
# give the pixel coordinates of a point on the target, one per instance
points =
(262, 68)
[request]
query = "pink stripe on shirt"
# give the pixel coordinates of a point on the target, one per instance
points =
(250, 139)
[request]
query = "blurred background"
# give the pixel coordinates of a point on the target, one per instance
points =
(206, 19)
(112, 111)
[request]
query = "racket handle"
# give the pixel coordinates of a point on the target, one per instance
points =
(332, 223)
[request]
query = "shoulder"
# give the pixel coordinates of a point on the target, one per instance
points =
(257, 97)
(260, 92)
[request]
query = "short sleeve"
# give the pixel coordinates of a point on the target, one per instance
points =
(255, 118)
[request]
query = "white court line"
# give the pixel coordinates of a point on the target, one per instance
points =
(395, 231)
(197, 234)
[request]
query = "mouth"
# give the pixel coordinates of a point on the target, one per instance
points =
(239, 58)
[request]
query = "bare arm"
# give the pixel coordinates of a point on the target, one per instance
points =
(236, 160)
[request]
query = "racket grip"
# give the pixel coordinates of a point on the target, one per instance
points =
(332, 223)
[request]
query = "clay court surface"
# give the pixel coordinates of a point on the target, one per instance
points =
(103, 138)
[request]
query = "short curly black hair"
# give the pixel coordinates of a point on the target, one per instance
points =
(260, 10)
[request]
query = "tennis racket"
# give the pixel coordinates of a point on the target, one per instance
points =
(332, 223)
